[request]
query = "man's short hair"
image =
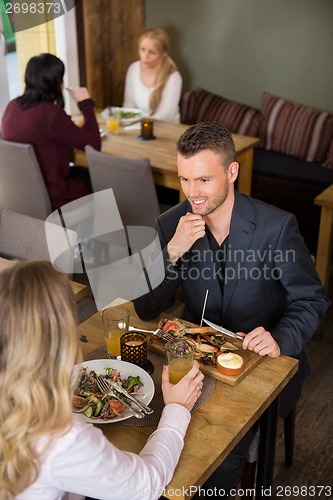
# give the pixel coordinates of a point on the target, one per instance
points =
(207, 135)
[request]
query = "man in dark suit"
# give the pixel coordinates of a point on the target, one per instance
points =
(249, 255)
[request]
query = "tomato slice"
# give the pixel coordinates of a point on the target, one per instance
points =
(171, 325)
(117, 406)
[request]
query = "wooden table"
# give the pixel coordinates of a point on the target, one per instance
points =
(324, 247)
(162, 153)
(218, 425)
(80, 291)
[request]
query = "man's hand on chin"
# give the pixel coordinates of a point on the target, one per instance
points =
(190, 228)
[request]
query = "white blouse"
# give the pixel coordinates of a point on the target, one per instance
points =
(85, 463)
(136, 95)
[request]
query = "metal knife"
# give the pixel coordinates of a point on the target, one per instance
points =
(134, 411)
(223, 330)
(105, 388)
(142, 406)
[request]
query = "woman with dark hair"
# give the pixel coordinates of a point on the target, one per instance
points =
(37, 117)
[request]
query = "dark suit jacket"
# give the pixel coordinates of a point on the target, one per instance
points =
(270, 279)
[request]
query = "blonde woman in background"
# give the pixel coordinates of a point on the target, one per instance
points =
(47, 451)
(153, 83)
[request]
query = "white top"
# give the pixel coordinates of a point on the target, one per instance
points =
(84, 462)
(136, 95)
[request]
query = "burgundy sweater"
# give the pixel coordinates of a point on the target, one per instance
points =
(53, 134)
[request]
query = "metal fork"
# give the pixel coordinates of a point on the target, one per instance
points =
(105, 389)
(117, 387)
(158, 333)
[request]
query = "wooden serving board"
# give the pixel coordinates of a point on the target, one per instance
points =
(251, 359)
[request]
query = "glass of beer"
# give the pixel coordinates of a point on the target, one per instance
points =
(116, 322)
(180, 355)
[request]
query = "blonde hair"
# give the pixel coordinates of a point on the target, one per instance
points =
(38, 348)
(162, 42)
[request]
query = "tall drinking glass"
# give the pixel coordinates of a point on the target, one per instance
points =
(116, 322)
(113, 124)
(180, 355)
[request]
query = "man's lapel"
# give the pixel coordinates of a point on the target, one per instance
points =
(241, 232)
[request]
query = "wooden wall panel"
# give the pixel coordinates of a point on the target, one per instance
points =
(111, 29)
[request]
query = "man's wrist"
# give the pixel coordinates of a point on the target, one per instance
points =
(173, 257)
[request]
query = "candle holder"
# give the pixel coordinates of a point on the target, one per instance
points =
(133, 347)
(147, 130)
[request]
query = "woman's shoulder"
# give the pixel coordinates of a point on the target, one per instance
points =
(48, 113)
(175, 78)
(79, 431)
(14, 109)
(12, 104)
(134, 67)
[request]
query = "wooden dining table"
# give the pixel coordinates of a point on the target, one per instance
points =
(80, 291)
(162, 152)
(217, 426)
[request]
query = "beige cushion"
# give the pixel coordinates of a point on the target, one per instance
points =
(200, 105)
(296, 130)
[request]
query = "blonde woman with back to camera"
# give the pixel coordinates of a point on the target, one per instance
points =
(46, 451)
(153, 83)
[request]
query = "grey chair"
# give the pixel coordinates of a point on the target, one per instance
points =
(22, 187)
(132, 183)
(27, 238)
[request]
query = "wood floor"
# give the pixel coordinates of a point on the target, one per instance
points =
(313, 458)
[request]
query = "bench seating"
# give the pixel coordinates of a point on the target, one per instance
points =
(294, 162)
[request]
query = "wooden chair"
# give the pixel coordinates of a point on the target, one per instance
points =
(22, 187)
(24, 237)
(132, 183)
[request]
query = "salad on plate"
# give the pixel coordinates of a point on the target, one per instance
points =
(93, 405)
(126, 115)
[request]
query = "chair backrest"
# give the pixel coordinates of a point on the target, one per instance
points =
(22, 187)
(132, 183)
(24, 237)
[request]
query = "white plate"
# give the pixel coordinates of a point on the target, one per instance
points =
(123, 121)
(146, 393)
